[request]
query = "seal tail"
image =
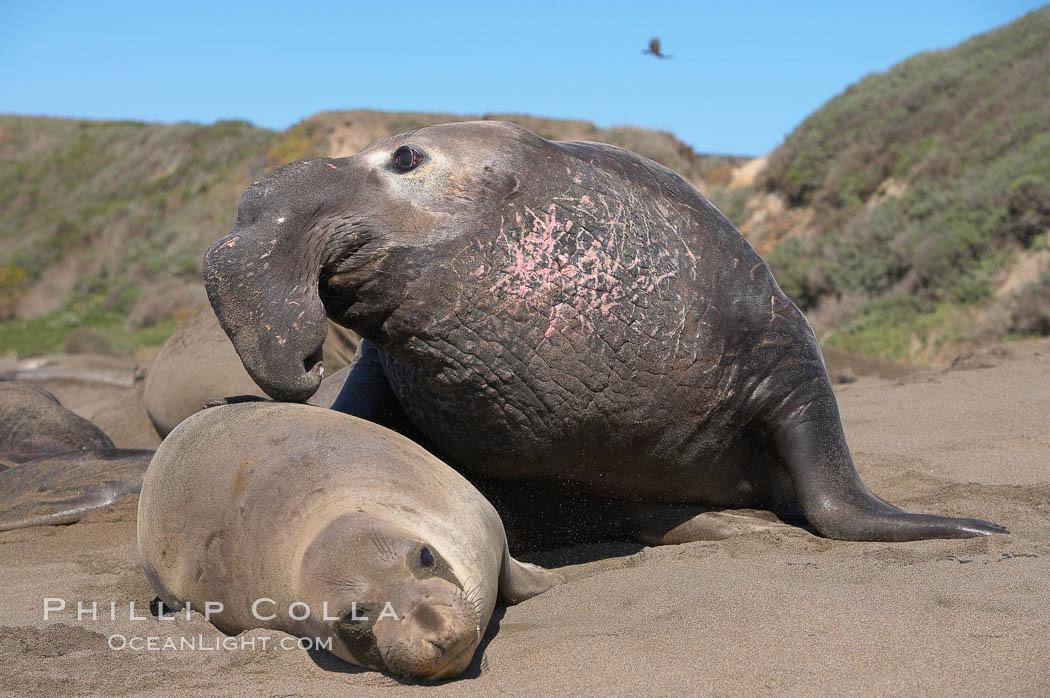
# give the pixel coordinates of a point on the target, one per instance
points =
(812, 446)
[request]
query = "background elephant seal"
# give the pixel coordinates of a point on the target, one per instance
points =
(564, 312)
(198, 363)
(33, 423)
(56, 466)
(262, 501)
(60, 488)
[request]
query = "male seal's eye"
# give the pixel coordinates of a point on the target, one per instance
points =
(426, 558)
(406, 158)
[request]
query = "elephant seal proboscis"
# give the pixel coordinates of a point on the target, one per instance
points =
(198, 363)
(560, 312)
(281, 512)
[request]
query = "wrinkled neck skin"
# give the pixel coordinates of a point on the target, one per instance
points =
(376, 290)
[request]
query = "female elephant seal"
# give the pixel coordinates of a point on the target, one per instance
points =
(565, 312)
(318, 524)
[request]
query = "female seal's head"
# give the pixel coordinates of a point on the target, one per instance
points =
(389, 601)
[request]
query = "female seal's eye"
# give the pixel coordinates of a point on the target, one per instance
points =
(426, 558)
(406, 158)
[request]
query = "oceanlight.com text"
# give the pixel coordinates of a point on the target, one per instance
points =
(200, 643)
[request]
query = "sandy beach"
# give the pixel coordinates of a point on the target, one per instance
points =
(781, 613)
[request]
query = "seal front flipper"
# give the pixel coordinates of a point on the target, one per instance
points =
(367, 394)
(232, 400)
(674, 524)
(812, 447)
(519, 581)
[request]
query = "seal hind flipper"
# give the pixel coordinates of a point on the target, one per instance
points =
(812, 447)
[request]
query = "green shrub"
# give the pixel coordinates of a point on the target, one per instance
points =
(966, 130)
(887, 327)
(1028, 206)
(104, 315)
(1030, 314)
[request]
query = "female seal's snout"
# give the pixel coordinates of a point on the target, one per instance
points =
(434, 638)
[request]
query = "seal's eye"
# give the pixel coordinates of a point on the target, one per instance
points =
(407, 158)
(426, 558)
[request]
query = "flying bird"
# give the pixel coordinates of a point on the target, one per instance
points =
(654, 49)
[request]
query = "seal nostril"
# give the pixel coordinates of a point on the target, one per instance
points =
(314, 363)
(440, 648)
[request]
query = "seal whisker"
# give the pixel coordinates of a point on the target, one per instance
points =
(472, 597)
(349, 584)
(383, 545)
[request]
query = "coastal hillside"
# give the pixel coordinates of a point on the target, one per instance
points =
(908, 216)
(105, 223)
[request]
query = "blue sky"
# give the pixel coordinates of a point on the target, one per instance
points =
(743, 74)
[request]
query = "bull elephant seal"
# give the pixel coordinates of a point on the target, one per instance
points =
(198, 363)
(297, 504)
(566, 312)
